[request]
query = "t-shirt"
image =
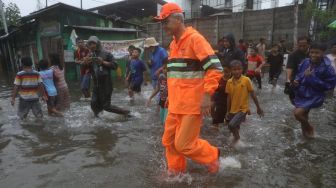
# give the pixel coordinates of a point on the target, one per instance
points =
(137, 67)
(162, 83)
(79, 55)
(275, 61)
(28, 82)
(332, 60)
(253, 62)
(220, 96)
(158, 57)
(239, 91)
(48, 82)
(294, 60)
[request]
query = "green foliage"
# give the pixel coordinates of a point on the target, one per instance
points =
(12, 14)
(323, 19)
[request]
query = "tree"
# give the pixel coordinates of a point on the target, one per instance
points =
(320, 19)
(12, 14)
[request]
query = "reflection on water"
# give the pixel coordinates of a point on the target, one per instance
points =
(111, 151)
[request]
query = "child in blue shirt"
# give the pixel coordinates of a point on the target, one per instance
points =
(315, 76)
(47, 76)
(135, 75)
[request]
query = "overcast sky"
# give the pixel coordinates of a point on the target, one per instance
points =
(28, 6)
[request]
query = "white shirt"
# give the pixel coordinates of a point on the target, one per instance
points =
(332, 59)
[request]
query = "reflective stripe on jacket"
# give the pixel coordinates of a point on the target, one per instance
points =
(193, 69)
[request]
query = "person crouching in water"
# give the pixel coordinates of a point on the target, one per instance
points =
(102, 62)
(219, 98)
(238, 89)
(315, 76)
(47, 76)
(135, 75)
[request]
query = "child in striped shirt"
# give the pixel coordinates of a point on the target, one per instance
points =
(28, 85)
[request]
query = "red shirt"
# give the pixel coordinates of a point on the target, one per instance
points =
(79, 55)
(253, 63)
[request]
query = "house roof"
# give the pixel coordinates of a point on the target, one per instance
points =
(43, 11)
(102, 28)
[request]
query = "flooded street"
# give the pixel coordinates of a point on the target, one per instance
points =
(111, 151)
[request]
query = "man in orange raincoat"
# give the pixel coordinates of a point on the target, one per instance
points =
(193, 75)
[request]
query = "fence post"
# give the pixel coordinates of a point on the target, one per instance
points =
(273, 20)
(242, 25)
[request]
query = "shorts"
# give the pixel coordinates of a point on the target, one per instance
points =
(51, 103)
(163, 114)
(136, 87)
(85, 81)
(26, 106)
(236, 119)
(218, 113)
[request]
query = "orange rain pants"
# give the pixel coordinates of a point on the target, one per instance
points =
(181, 140)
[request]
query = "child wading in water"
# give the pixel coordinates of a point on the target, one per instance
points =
(255, 64)
(135, 76)
(315, 76)
(220, 99)
(238, 89)
(47, 76)
(163, 89)
(275, 60)
(28, 85)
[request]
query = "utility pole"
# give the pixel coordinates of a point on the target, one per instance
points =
(81, 2)
(296, 22)
(2, 12)
(46, 3)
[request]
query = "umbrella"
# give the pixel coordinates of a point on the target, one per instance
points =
(332, 25)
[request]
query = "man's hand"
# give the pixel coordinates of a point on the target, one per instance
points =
(44, 98)
(206, 105)
(260, 112)
(308, 72)
(12, 101)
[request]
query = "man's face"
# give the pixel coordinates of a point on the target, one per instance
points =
(236, 71)
(151, 48)
(80, 44)
(92, 46)
(303, 45)
(333, 49)
(275, 49)
(226, 43)
(135, 54)
(316, 55)
(170, 25)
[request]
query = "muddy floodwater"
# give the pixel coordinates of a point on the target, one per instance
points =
(112, 151)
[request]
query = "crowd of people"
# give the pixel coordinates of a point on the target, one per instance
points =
(189, 82)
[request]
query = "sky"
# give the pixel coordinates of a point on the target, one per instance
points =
(28, 6)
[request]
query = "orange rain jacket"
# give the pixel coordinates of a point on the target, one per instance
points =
(193, 69)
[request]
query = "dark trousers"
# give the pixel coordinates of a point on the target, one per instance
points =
(101, 96)
(257, 77)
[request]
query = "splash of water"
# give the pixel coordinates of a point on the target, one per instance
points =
(229, 162)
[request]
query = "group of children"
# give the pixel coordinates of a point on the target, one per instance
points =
(48, 84)
(316, 75)
(135, 78)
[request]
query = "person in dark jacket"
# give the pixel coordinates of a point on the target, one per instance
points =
(102, 62)
(314, 77)
(231, 52)
(227, 53)
(294, 60)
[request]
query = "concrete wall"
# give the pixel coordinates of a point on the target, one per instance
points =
(271, 24)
